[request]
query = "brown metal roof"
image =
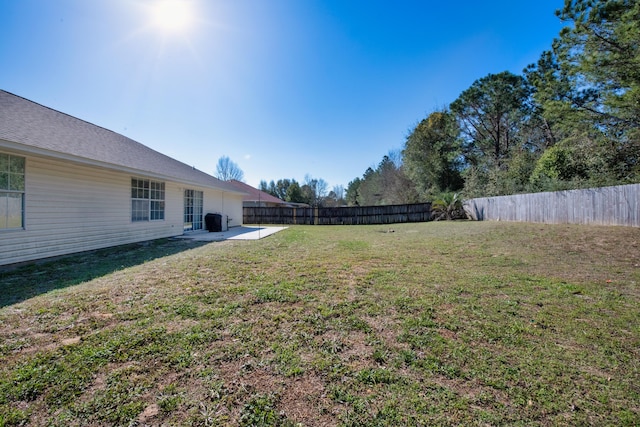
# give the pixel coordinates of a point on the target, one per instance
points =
(57, 134)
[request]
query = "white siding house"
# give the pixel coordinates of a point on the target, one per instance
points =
(68, 186)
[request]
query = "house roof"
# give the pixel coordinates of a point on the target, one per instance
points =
(28, 126)
(255, 195)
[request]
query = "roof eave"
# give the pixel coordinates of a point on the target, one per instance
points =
(27, 149)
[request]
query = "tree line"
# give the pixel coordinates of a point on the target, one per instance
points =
(312, 191)
(571, 120)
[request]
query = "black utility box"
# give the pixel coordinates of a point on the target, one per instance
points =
(213, 222)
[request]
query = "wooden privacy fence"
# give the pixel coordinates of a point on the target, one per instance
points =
(355, 215)
(619, 205)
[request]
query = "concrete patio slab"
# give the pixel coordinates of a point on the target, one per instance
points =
(235, 233)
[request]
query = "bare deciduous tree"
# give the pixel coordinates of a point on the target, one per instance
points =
(227, 170)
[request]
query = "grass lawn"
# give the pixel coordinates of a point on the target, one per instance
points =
(448, 323)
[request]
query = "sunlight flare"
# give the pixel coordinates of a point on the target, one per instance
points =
(172, 15)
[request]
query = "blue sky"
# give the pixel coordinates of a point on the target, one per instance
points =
(285, 88)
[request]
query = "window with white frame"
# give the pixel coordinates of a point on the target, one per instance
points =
(11, 191)
(147, 200)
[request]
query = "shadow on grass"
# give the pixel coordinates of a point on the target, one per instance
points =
(27, 281)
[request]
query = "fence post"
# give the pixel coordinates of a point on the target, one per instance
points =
(294, 216)
(315, 216)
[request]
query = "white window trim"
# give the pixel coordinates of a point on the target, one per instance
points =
(147, 192)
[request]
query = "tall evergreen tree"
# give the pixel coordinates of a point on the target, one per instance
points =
(432, 155)
(491, 113)
(353, 192)
(601, 53)
(294, 193)
(601, 50)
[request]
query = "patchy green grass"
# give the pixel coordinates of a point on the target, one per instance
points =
(432, 324)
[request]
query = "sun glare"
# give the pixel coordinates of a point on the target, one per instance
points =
(172, 15)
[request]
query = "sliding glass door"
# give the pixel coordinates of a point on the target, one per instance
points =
(192, 210)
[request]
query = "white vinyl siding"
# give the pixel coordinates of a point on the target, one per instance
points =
(73, 208)
(228, 204)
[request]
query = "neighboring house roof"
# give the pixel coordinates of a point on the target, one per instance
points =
(49, 132)
(255, 195)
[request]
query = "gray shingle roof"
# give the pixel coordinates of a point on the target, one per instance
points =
(36, 126)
